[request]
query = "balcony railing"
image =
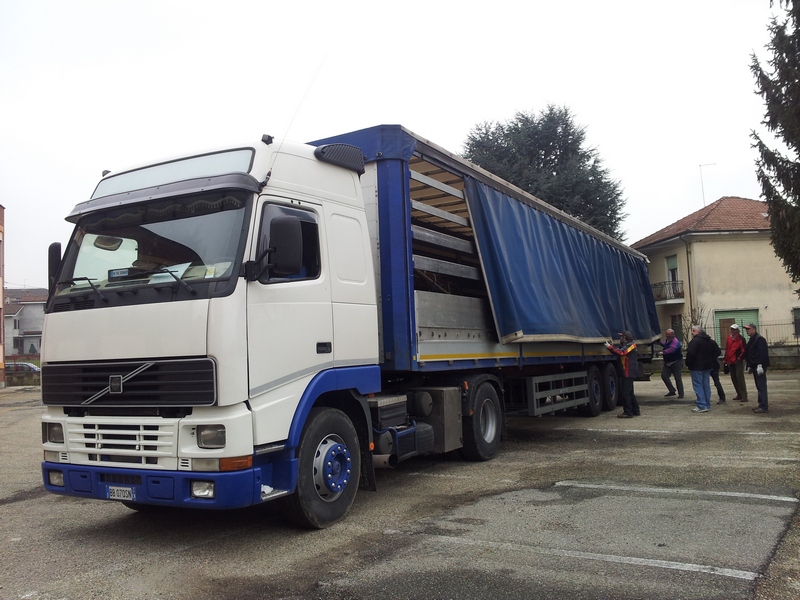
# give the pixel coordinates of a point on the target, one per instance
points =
(668, 290)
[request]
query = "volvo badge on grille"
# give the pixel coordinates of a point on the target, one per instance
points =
(115, 384)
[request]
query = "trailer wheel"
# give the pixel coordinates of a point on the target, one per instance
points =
(596, 394)
(329, 467)
(482, 429)
(610, 387)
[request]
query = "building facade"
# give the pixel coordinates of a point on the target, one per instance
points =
(23, 316)
(2, 283)
(716, 267)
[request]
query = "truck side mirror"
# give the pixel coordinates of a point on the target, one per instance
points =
(286, 246)
(284, 256)
(53, 262)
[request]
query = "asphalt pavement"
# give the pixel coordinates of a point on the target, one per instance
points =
(671, 504)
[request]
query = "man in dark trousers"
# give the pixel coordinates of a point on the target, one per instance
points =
(673, 363)
(629, 358)
(757, 358)
(734, 358)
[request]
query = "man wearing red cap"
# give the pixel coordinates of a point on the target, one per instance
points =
(757, 356)
(630, 371)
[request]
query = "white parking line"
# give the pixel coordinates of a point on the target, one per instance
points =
(649, 490)
(629, 560)
(674, 431)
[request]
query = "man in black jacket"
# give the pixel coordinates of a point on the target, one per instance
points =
(757, 358)
(701, 355)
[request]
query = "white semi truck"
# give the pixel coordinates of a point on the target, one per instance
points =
(276, 320)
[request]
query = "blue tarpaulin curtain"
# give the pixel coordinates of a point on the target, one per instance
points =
(548, 281)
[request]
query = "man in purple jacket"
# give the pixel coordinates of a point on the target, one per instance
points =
(673, 363)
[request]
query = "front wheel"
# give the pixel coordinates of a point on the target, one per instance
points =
(482, 429)
(329, 468)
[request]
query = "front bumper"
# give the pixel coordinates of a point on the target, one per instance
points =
(235, 489)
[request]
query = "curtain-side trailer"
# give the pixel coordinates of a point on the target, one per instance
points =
(274, 321)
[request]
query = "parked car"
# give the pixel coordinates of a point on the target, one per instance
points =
(21, 367)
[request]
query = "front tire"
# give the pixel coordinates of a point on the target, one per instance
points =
(482, 429)
(329, 468)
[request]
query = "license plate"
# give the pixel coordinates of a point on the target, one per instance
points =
(121, 493)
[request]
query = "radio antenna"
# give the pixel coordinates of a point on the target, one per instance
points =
(297, 110)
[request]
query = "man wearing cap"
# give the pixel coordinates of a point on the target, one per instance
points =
(757, 358)
(734, 359)
(629, 358)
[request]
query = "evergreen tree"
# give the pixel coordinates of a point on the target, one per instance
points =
(546, 157)
(779, 171)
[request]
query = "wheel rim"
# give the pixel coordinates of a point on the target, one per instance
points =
(332, 468)
(597, 390)
(488, 421)
(612, 387)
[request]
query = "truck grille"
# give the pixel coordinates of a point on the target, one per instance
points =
(161, 383)
(145, 442)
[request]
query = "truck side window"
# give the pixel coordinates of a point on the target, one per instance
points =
(310, 232)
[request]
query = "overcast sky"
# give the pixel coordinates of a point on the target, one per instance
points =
(88, 85)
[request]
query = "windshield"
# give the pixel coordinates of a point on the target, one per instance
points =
(179, 242)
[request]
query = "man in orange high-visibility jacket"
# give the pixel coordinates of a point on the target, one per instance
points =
(630, 371)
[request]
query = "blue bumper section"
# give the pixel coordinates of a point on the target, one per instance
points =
(235, 489)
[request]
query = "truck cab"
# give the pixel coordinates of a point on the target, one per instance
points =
(197, 305)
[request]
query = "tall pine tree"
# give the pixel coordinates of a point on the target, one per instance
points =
(546, 157)
(778, 171)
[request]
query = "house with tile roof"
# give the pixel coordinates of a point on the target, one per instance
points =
(23, 313)
(717, 266)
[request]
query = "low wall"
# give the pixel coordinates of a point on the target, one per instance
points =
(16, 379)
(784, 357)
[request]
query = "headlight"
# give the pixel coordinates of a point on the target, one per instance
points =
(55, 478)
(53, 433)
(203, 489)
(211, 437)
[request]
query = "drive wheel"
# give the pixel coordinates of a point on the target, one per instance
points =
(482, 430)
(610, 387)
(329, 467)
(596, 395)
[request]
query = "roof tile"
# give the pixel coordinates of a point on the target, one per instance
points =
(729, 213)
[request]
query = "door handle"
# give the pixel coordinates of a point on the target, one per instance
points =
(324, 347)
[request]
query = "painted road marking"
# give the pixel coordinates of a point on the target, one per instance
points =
(628, 560)
(650, 490)
(678, 432)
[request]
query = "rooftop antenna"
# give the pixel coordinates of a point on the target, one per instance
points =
(297, 110)
(702, 188)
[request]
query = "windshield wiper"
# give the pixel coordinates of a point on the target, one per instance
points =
(89, 281)
(185, 285)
